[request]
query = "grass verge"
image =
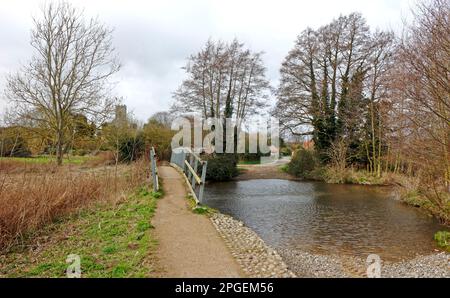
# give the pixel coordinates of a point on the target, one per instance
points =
(112, 241)
(249, 162)
(199, 208)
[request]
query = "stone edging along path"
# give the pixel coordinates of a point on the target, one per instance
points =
(253, 255)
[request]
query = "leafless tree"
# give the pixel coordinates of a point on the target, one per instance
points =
(421, 98)
(69, 73)
(381, 62)
(225, 80)
(338, 154)
(163, 118)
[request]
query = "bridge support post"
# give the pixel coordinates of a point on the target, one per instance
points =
(154, 169)
(203, 178)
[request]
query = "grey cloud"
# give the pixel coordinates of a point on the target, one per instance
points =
(154, 38)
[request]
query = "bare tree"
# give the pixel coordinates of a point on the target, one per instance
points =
(225, 80)
(381, 62)
(338, 154)
(422, 97)
(67, 75)
(163, 118)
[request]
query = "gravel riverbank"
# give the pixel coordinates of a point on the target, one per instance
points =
(435, 265)
(253, 255)
(304, 264)
(257, 259)
(309, 265)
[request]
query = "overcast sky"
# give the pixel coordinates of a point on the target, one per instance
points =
(154, 38)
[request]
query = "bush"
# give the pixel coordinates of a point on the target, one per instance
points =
(303, 163)
(14, 147)
(131, 148)
(252, 157)
(285, 151)
(443, 239)
(160, 137)
(221, 167)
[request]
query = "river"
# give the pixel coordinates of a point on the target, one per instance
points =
(327, 218)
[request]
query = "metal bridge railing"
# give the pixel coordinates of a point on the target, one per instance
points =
(154, 169)
(193, 169)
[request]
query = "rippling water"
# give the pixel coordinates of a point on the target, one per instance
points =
(326, 218)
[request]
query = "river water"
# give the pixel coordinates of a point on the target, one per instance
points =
(326, 218)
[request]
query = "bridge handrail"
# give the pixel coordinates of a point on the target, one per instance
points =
(194, 174)
(187, 162)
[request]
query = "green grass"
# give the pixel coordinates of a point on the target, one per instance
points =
(199, 209)
(284, 168)
(249, 162)
(43, 159)
(442, 239)
(112, 241)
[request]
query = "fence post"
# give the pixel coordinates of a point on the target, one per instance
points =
(195, 170)
(182, 159)
(191, 163)
(203, 178)
(154, 169)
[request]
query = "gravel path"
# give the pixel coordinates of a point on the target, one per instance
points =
(265, 171)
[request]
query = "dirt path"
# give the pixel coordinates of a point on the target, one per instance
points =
(189, 245)
(265, 171)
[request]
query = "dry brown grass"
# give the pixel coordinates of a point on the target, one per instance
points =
(19, 167)
(103, 158)
(32, 198)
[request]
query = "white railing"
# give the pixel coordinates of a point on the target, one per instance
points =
(189, 164)
(154, 169)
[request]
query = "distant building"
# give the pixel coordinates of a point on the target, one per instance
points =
(308, 145)
(120, 118)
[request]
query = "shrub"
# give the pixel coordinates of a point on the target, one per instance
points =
(221, 167)
(15, 146)
(303, 163)
(443, 239)
(131, 148)
(285, 151)
(252, 157)
(160, 137)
